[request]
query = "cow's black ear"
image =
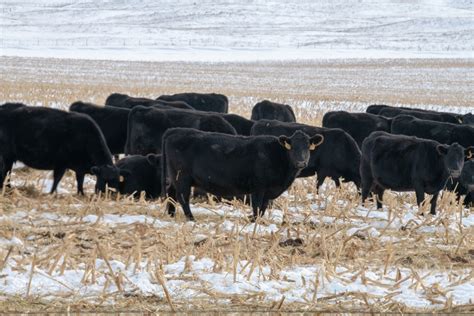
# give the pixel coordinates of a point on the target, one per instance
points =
(469, 152)
(95, 170)
(315, 141)
(442, 149)
(285, 142)
(154, 160)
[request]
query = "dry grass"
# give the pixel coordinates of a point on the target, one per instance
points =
(52, 245)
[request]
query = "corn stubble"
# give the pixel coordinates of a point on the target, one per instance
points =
(304, 235)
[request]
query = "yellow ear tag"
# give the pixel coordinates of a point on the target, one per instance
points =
(312, 146)
(121, 179)
(287, 146)
(470, 155)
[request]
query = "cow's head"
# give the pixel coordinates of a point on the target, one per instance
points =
(299, 146)
(453, 158)
(108, 175)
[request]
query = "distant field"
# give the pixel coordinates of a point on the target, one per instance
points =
(313, 85)
(236, 30)
(102, 254)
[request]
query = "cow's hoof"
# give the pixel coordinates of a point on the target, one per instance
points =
(252, 218)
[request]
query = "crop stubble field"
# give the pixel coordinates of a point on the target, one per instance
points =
(310, 252)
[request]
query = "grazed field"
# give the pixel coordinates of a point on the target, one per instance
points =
(310, 252)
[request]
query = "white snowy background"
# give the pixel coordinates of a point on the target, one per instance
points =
(236, 30)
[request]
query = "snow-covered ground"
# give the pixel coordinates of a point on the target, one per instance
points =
(236, 30)
(196, 278)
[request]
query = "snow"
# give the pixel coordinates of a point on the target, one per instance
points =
(128, 219)
(297, 283)
(13, 242)
(237, 30)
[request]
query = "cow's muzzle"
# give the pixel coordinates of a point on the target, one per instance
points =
(455, 173)
(301, 164)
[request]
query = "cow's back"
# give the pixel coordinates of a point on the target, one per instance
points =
(210, 102)
(272, 111)
(442, 132)
(433, 116)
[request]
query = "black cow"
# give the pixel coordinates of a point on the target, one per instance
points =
(358, 125)
(241, 124)
(267, 110)
(406, 163)
(50, 139)
(5, 151)
(210, 102)
(424, 115)
(146, 126)
(468, 119)
(128, 102)
(338, 157)
(263, 166)
(111, 120)
(6, 140)
(376, 108)
(11, 105)
(137, 174)
(464, 185)
(460, 118)
(444, 133)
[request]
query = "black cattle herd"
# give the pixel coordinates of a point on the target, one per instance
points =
(189, 140)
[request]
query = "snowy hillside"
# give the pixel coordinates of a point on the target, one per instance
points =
(236, 30)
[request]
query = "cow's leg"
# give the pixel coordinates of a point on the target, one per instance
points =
(8, 165)
(357, 182)
(264, 206)
(57, 176)
(183, 192)
(257, 202)
(80, 182)
(320, 180)
(420, 194)
(469, 199)
(337, 181)
(379, 196)
(434, 199)
(170, 207)
(366, 180)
